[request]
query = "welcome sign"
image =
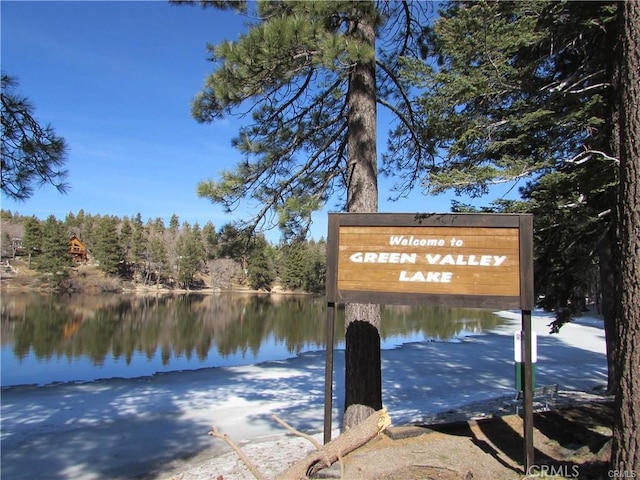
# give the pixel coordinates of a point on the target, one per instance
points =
(468, 260)
(481, 260)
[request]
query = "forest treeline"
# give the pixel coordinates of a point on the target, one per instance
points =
(178, 255)
(185, 256)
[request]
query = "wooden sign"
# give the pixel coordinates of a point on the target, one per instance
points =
(449, 259)
(468, 260)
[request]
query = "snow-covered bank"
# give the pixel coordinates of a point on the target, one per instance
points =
(158, 425)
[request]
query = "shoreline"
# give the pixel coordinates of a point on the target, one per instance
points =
(6, 287)
(90, 280)
(156, 427)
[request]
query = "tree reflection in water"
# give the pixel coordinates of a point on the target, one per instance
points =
(202, 330)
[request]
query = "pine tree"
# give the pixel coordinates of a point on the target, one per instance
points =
(106, 249)
(311, 75)
(235, 243)
(158, 263)
(157, 225)
(32, 237)
(516, 90)
(510, 90)
(31, 154)
(260, 268)
(53, 257)
(316, 267)
(530, 88)
(303, 266)
(210, 239)
(138, 240)
(174, 222)
(126, 241)
(625, 453)
(190, 255)
(293, 265)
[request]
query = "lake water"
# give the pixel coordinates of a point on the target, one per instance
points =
(47, 338)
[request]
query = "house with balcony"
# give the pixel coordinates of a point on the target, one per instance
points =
(77, 250)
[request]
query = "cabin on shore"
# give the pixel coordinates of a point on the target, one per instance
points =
(77, 250)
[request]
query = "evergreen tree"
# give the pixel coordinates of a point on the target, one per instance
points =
(625, 454)
(87, 227)
(138, 244)
(54, 258)
(303, 266)
(566, 238)
(80, 227)
(174, 223)
(126, 231)
(294, 265)
(316, 267)
(260, 268)
(171, 238)
(511, 90)
(72, 223)
(517, 90)
(531, 88)
(158, 263)
(106, 249)
(210, 240)
(31, 154)
(32, 236)
(234, 243)
(190, 255)
(80, 216)
(308, 69)
(156, 225)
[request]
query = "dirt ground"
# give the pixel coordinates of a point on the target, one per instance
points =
(572, 442)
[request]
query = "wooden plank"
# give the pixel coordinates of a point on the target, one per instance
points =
(429, 219)
(436, 232)
(433, 300)
(399, 272)
(432, 287)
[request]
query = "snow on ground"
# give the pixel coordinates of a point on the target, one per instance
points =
(156, 427)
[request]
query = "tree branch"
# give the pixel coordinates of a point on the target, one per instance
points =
(587, 155)
(215, 432)
(297, 432)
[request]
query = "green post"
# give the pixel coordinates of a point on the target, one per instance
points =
(519, 369)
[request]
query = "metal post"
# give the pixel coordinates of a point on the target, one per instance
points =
(527, 391)
(328, 372)
(526, 305)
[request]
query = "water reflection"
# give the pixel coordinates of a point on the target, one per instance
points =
(120, 335)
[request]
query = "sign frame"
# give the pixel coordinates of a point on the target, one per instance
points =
(523, 223)
(524, 301)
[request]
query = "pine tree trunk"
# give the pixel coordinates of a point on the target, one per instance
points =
(607, 261)
(363, 381)
(608, 249)
(626, 431)
(363, 366)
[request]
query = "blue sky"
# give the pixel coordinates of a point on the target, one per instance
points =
(116, 80)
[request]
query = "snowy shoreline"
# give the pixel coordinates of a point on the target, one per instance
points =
(156, 427)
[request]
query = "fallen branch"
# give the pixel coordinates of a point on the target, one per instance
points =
(337, 448)
(223, 436)
(315, 443)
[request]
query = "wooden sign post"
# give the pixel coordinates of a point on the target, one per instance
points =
(464, 260)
